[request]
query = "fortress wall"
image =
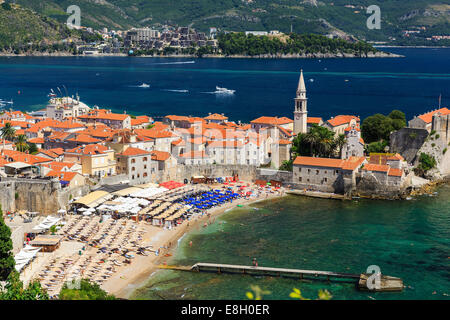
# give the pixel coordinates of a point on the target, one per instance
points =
(407, 142)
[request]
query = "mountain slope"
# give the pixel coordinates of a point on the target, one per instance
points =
(28, 28)
(318, 16)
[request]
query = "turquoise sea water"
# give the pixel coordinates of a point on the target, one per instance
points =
(407, 239)
(184, 86)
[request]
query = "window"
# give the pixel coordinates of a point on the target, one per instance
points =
(145, 159)
(300, 179)
(307, 180)
(145, 174)
(145, 166)
(133, 169)
(317, 172)
(309, 170)
(326, 171)
(133, 160)
(325, 179)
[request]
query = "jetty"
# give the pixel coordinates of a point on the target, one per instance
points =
(386, 284)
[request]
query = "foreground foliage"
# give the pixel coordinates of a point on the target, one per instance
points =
(87, 291)
(14, 289)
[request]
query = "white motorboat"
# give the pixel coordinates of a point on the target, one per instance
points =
(220, 90)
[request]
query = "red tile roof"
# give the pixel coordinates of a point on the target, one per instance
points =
(318, 162)
(90, 149)
(272, 120)
(376, 167)
(160, 155)
(428, 117)
(216, 116)
(350, 164)
(284, 142)
(36, 140)
(393, 172)
(341, 119)
(316, 120)
(130, 151)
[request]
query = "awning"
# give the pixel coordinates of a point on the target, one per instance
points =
(94, 199)
(127, 191)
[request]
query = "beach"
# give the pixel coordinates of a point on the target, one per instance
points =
(127, 279)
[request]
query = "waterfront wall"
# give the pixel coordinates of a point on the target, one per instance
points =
(285, 177)
(43, 196)
(182, 172)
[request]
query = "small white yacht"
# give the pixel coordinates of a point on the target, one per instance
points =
(220, 90)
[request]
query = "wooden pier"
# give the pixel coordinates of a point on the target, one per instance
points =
(387, 283)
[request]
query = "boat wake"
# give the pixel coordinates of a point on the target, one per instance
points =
(175, 90)
(177, 62)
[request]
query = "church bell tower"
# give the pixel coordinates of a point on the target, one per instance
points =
(301, 111)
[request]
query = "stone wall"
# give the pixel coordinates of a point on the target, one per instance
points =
(43, 196)
(182, 172)
(435, 146)
(270, 174)
(7, 196)
(407, 142)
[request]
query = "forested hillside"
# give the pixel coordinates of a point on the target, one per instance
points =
(317, 16)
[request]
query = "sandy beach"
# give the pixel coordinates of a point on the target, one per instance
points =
(129, 278)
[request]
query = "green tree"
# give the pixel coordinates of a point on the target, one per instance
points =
(287, 165)
(426, 162)
(379, 127)
(339, 142)
(7, 262)
(21, 142)
(14, 289)
(7, 132)
(87, 291)
(32, 148)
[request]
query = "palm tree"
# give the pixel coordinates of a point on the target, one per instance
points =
(340, 141)
(312, 138)
(7, 132)
(21, 142)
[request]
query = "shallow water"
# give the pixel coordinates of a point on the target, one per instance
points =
(406, 239)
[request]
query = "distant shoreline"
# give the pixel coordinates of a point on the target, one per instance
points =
(218, 56)
(412, 47)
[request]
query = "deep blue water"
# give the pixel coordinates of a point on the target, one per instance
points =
(263, 86)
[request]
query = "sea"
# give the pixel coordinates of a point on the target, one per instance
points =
(406, 239)
(187, 86)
